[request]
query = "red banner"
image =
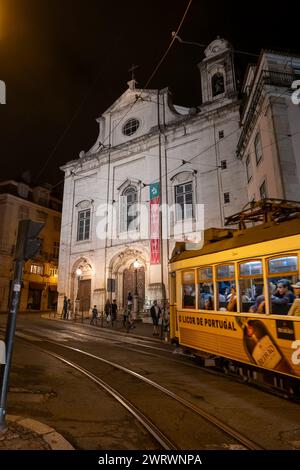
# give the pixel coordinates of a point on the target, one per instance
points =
(154, 224)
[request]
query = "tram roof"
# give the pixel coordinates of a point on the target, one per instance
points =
(216, 240)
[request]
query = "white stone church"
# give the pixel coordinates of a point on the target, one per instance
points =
(145, 139)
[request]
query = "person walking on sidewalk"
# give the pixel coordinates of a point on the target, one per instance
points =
(65, 308)
(166, 320)
(114, 312)
(129, 301)
(94, 316)
(107, 311)
(69, 312)
(155, 313)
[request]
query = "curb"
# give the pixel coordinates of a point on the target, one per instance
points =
(55, 440)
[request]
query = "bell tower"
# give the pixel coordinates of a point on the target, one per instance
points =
(217, 73)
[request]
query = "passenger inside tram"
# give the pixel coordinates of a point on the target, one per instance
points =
(208, 304)
(283, 298)
(231, 300)
(295, 308)
(189, 297)
(259, 301)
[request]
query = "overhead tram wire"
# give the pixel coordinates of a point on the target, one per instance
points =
(174, 36)
(150, 78)
(91, 88)
(204, 46)
(199, 174)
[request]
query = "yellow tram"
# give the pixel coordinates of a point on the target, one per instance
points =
(234, 297)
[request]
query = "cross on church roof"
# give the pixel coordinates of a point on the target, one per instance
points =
(132, 69)
(133, 81)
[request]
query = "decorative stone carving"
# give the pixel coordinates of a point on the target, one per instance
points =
(84, 204)
(216, 47)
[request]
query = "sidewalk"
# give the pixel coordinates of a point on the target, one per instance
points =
(141, 328)
(29, 434)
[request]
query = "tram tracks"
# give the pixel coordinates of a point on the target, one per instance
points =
(182, 406)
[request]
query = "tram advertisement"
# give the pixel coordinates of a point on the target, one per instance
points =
(265, 342)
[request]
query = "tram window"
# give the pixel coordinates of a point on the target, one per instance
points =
(251, 287)
(206, 288)
(251, 268)
(226, 271)
(188, 290)
(283, 272)
(285, 264)
(226, 288)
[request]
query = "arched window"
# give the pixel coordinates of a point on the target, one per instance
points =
(217, 84)
(129, 211)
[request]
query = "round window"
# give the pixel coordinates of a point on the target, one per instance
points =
(130, 126)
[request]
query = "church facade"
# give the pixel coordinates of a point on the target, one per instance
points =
(154, 153)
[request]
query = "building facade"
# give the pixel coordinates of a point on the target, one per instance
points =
(269, 145)
(149, 148)
(19, 201)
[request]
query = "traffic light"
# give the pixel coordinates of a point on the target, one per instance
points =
(28, 244)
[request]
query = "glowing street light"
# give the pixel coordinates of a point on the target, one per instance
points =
(136, 266)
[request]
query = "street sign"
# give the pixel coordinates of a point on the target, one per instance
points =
(2, 352)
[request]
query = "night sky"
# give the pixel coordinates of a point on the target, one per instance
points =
(66, 61)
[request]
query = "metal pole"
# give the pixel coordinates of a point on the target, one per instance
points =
(163, 289)
(9, 339)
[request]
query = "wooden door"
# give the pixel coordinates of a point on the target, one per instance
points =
(85, 294)
(131, 280)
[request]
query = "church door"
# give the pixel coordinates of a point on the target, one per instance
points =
(85, 294)
(134, 280)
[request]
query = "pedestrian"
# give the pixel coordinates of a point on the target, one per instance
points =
(69, 308)
(94, 316)
(129, 301)
(114, 312)
(30, 302)
(155, 313)
(107, 311)
(166, 320)
(65, 308)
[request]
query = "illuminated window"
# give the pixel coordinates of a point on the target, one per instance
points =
(206, 288)
(188, 290)
(37, 269)
(53, 272)
(286, 264)
(252, 287)
(283, 272)
(226, 287)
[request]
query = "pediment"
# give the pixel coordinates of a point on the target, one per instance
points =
(216, 47)
(126, 99)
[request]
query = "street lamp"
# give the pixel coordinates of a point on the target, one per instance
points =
(78, 273)
(136, 266)
(77, 301)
